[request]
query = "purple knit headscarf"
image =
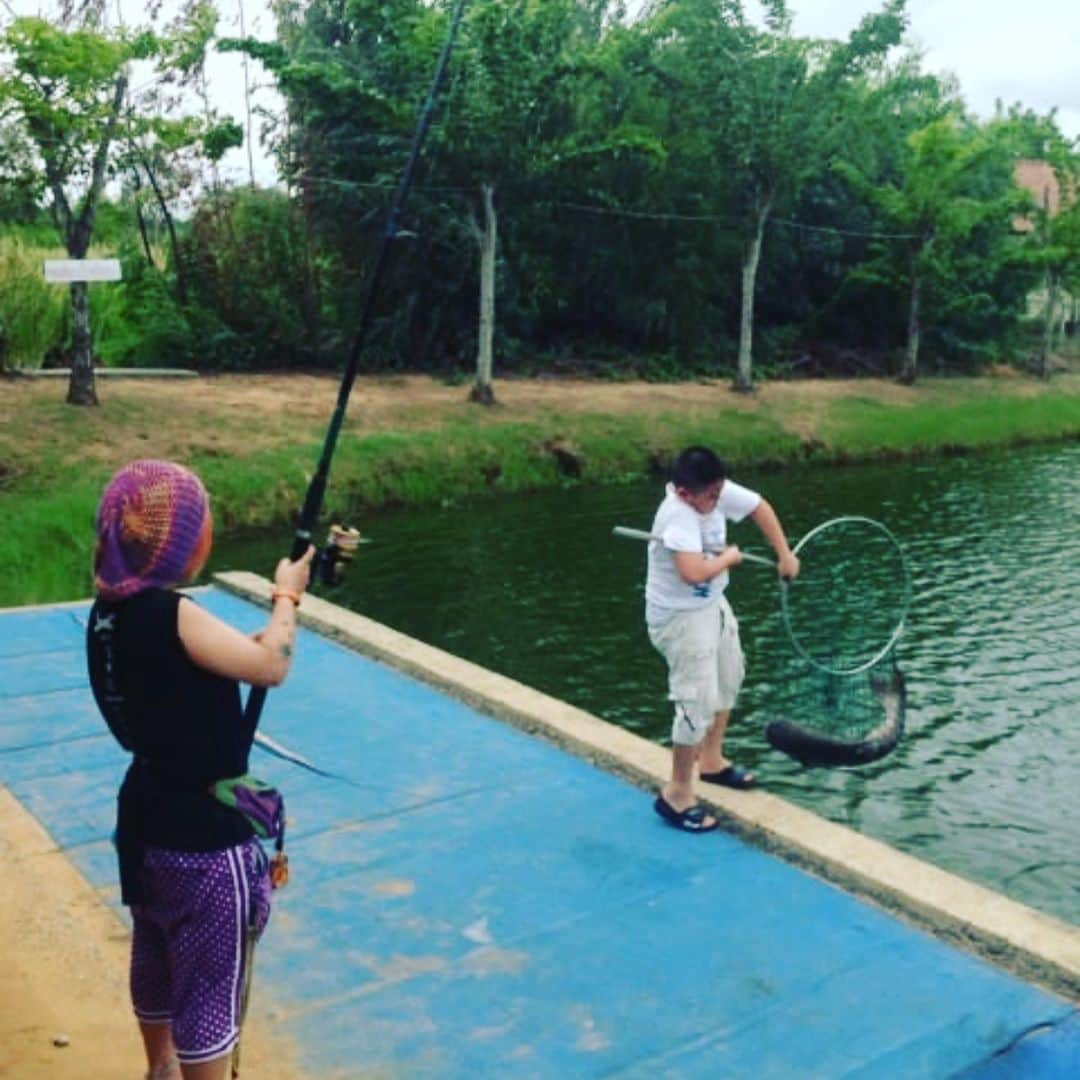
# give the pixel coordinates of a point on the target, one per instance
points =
(149, 523)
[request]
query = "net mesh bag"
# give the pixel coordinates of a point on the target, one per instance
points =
(841, 697)
(823, 718)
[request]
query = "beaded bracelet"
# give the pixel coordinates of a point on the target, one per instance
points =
(289, 594)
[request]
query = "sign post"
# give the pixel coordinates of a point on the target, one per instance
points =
(76, 273)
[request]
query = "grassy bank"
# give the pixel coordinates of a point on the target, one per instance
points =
(255, 441)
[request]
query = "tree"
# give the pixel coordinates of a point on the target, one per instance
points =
(66, 91)
(19, 186)
(163, 154)
(932, 205)
(352, 78)
(509, 109)
(771, 110)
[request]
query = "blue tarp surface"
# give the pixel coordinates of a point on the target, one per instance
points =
(471, 901)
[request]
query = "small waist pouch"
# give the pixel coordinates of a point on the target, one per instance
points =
(264, 807)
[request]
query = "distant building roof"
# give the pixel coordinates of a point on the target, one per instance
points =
(1041, 181)
(1039, 178)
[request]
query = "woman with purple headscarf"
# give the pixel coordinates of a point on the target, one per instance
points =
(166, 675)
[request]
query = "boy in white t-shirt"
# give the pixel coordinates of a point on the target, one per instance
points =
(691, 622)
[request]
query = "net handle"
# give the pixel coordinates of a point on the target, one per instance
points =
(641, 534)
(897, 630)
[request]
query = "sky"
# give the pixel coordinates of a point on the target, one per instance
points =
(1015, 50)
(225, 72)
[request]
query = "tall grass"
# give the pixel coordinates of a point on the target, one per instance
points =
(47, 543)
(32, 313)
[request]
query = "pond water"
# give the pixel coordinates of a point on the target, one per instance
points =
(986, 780)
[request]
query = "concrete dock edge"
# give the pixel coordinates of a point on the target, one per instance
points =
(1035, 946)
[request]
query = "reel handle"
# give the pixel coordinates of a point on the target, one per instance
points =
(333, 560)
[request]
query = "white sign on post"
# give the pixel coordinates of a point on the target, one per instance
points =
(67, 270)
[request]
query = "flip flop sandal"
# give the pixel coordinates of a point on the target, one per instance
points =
(733, 777)
(691, 820)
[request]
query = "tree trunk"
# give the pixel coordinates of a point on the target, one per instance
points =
(247, 100)
(751, 257)
(1048, 322)
(178, 262)
(482, 390)
(914, 329)
(140, 217)
(81, 389)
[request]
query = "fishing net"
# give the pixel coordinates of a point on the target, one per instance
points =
(840, 700)
(842, 696)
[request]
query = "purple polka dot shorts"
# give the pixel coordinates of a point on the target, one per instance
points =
(189, 943)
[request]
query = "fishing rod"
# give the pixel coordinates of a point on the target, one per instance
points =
(341, 543)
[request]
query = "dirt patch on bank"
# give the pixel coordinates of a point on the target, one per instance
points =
(243, 414)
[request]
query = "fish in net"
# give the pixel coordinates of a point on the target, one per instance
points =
(844, 696)
(826, 719)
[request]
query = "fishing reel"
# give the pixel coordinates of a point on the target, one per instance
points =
(332, 561)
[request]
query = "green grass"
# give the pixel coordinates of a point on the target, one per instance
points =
(47, 543)
(48, 492)
(862, 429)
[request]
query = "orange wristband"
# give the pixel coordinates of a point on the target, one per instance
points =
(289, 594)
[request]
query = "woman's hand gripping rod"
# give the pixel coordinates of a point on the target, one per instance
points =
(640, 534)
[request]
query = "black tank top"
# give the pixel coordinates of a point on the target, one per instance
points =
(184, 726)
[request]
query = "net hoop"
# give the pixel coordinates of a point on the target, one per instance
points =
(894, 637)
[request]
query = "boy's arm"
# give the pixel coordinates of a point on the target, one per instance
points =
(787, 563)
(696, 567)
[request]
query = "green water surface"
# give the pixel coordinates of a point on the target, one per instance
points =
(985, 782)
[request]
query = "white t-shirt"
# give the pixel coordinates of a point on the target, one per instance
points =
(682, 528)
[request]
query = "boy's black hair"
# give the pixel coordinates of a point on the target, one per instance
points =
(696, 468)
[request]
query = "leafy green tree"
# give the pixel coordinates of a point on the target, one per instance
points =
(618, 180)
(19, 188)
(508, 114)
(66, 91)
(353, 78)
(943, 190)
(250, 300)
(770, 109)
(161, 162)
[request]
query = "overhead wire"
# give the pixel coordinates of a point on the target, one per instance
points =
(624, 212)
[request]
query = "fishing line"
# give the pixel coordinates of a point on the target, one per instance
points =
(276, 749)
